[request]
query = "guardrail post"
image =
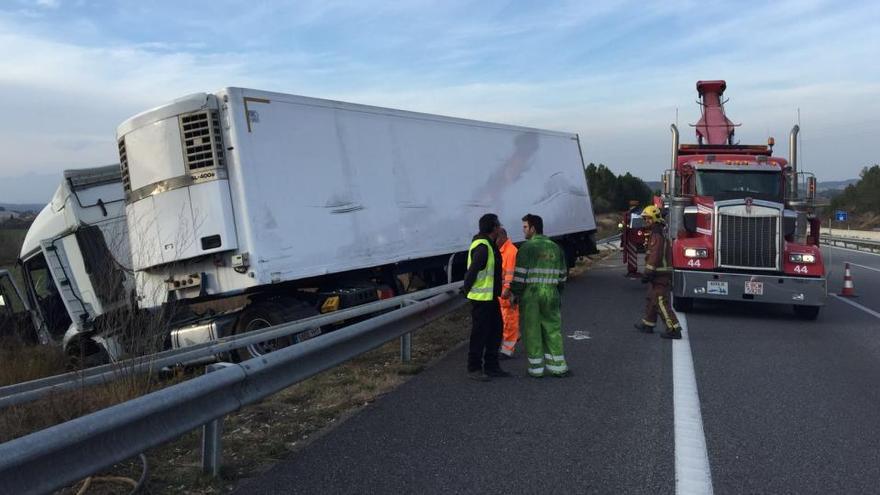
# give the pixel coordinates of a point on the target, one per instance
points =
(406, 339)
(406, 347)
(212, 436)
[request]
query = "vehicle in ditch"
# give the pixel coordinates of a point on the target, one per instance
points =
(241, 209)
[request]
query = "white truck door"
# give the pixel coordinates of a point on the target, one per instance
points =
(66, 281)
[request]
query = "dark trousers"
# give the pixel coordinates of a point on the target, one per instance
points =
(486, 329)
(657, 299)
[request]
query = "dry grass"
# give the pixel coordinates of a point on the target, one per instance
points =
(20, 363)
(17, 421)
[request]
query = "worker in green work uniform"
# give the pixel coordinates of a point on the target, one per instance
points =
(538, 280)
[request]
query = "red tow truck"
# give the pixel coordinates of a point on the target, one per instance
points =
(742, 222)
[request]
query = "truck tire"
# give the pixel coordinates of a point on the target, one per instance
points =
(807, 312)
(683, 304)
(267, 313)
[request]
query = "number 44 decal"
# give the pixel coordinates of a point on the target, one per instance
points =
(694, 263)
(800, 269)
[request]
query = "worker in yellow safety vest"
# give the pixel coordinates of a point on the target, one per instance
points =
(509, 311)
(482, 287)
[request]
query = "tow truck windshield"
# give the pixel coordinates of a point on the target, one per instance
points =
(737, 184)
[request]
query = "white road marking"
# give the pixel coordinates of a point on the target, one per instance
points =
(857, 305)
(865, 267)
(692, 472)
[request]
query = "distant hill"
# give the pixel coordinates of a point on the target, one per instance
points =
(835, 184)
(22, 208)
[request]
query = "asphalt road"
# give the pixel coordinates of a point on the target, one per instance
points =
(787, 406)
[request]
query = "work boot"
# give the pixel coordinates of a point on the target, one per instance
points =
(674, 334)
(640, 326)
(564, 374)
(478, 376)
(497, 373)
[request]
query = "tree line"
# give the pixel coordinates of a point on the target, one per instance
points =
(611, 193)
(862, 197)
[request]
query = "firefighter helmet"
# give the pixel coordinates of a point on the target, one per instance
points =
(652, 213)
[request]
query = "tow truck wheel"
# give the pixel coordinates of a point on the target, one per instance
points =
(807, 312)
(268, 313)
(683, 304)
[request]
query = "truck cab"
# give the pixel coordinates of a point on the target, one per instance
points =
(74, 260)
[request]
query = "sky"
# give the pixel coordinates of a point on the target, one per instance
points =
(616, 72)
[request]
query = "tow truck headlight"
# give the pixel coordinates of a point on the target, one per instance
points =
(696, 253)
(801, 258)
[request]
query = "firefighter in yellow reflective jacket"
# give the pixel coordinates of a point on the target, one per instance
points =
(539, 276)
(658, 273)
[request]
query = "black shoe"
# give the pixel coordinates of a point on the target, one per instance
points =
(504, 357)
(564, 374)
(675, 334)
(640, 326)
(478, 376)
(499, 373)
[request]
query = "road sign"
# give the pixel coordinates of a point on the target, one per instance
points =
(840, 215)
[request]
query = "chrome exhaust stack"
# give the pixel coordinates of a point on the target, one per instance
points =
(792, 162)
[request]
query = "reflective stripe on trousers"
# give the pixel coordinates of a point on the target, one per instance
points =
(541, 324)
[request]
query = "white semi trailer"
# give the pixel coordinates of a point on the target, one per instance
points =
(247, 208)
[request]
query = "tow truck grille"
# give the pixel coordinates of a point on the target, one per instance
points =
(748, 241)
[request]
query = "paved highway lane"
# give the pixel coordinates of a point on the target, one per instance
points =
(607, 429)
(786, 406)
(865, 269)
(791, 406)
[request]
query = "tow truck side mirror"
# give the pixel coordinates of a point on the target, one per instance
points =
(811, 188)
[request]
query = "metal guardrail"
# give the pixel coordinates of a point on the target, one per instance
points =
(55, 457)
(851, 243)
(608, 240)
(25, 392)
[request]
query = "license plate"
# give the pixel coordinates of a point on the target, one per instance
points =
(755, 288)
(308, 334)
(716, 288)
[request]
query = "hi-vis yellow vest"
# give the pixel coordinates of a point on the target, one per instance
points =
(484, 286)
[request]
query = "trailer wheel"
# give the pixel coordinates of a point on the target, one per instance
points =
(807, 312)
(683, 304)
(267, 313)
